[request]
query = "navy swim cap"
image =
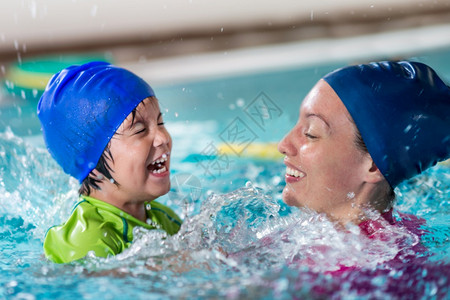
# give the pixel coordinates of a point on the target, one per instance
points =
(402, 110)
(81, 109)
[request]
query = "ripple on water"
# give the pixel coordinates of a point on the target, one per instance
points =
(242, 244)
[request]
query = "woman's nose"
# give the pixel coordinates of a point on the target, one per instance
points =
(286, 146)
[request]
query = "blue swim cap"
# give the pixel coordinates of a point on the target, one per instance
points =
(81, 109)
(402, 110)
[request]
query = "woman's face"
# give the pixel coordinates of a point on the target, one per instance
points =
(324, 169)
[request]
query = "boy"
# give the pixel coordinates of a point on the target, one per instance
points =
(103, 126)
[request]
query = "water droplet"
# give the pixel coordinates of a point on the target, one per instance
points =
(240, 102)
(33, 9)
(94, 10)
(424, 273)
(79, 161)
(44, 270)
(12, 283)
(176, 115)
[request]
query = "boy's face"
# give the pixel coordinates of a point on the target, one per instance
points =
(141, 155)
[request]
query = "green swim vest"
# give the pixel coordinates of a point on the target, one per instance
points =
(102, 228)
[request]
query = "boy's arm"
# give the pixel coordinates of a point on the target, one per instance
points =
(76, 238)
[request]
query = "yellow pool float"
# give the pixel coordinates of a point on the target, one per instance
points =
(262, 151)
(28, 78)
(265, 151)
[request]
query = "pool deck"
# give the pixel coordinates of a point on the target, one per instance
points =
(378, 46)
(154, 29)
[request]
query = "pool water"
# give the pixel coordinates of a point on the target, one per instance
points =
(238, 239)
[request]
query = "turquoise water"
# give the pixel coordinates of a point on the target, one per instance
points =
(238, 239)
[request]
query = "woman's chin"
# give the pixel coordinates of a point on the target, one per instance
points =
(288, 197)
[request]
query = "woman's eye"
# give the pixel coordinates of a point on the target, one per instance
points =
(310, 136)
(161, 123)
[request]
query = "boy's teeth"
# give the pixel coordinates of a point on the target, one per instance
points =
(160, 160)
(163, 169)
(294, 173)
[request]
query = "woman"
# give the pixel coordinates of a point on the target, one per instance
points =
(362, 130)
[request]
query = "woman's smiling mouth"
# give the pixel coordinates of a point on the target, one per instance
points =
(293, 174)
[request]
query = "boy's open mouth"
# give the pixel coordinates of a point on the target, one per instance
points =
(159, 165)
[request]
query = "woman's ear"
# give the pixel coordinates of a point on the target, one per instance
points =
(373, 174)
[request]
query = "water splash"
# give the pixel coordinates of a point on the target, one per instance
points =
(242, 244)
(32, 186)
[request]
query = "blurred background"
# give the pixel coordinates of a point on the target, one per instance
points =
(176, 44)
(159, 28)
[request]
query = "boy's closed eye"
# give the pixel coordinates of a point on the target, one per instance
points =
(160, 119)
(139, 128)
